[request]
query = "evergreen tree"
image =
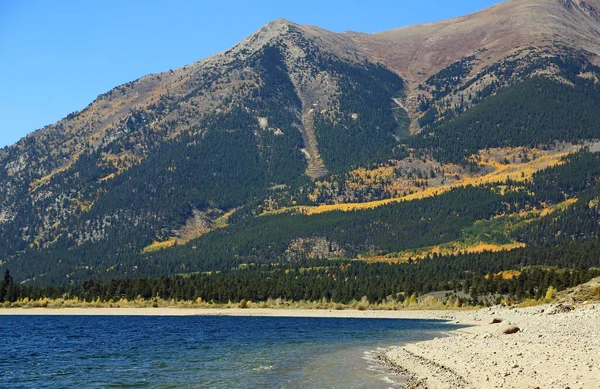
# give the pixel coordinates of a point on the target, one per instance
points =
(6, 287)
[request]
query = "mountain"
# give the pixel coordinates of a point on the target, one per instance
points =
(299, 143)
(417, 52)
(515, 29)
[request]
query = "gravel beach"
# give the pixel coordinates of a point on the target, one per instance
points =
(552, 347)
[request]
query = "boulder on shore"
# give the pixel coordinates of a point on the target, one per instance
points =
(507, 330)
(562, 308)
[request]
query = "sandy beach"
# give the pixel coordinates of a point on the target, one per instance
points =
(552, 349)
(350, 314)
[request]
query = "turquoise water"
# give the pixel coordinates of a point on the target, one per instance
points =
(200, 352)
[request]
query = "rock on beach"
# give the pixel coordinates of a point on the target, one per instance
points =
(548, 347)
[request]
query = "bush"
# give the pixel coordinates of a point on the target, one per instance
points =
(550, 294)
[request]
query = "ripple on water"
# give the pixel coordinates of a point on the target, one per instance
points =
(201, 352)
(264, 368)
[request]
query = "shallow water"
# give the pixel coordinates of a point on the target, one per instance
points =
(200, 352)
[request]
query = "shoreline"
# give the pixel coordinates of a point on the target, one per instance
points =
(446, 315)
(554, 348)
(379, 358)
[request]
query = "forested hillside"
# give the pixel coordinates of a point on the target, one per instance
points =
(116, 199)
(534, 112)
(305, 164)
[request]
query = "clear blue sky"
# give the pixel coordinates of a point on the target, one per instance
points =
(57, 56)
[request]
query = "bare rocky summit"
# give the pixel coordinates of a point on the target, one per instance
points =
(417, 52)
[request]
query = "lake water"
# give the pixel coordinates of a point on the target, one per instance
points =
(200, 352)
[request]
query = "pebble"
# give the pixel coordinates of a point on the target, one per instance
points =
(554, 351)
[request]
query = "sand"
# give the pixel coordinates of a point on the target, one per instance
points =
(551, 350)
(350, 314)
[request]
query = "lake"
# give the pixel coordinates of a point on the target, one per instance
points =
(201, 352)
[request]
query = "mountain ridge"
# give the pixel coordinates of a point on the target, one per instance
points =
(429, 48)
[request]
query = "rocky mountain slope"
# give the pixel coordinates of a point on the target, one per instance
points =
(513, 29)
(299, 116)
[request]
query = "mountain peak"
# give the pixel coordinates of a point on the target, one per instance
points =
(276, 27)
(266, 35)
(283, 30)
(279, 22)
(417, 52)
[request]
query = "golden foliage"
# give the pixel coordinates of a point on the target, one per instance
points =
(155, 246)
(550, 293)
(452, 248)
(507, 274)
(495, 172)
(189, 234)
